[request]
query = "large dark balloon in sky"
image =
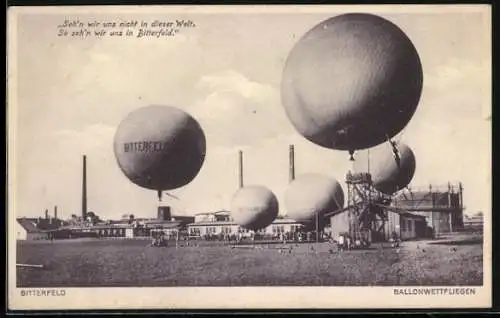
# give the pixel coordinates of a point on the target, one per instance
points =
(388, 175)
(160, 147)
(352, 82)
(254, 207)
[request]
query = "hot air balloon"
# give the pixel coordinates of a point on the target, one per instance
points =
(159, 147)
(254, 207)
(394, 168)
(312, 195)
(352, 82)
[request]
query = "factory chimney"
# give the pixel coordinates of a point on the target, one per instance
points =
(55, 213)
(292, 163)
(84, 189)
(240, 168)
(46, 214)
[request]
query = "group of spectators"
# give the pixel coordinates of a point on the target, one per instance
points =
(162, 238)
(297, 236)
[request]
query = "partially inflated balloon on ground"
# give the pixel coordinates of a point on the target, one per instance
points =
(352, 82)
(312, 195)
(159, 147)
(392, 171)
(254, 207)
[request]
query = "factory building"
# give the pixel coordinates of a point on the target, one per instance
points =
(37, 228)
(130, 227)
(406, 225)
(410, 214)
(217, 223)
(441, 206)
(474, 223)
(28, 229)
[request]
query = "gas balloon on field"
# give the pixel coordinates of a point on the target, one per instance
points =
(312, 195)
(254, 207)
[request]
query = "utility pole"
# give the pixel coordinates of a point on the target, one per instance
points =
(84, 189)
(240, 168)
(317, 226)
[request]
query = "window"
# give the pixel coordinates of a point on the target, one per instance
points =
(278, 228)
(410, 223)
(194, 231)
(211, 230)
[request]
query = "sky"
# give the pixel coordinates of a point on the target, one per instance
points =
(71, 94)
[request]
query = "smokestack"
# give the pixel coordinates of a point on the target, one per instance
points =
(292, 164)
(240, 167)
(55, 213)
(84, 189)
(46, 214)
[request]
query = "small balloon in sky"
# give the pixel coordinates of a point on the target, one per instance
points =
(393, 169)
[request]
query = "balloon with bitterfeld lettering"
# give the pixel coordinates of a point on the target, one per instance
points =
(160, 147)
(254, 207)
(351, 82)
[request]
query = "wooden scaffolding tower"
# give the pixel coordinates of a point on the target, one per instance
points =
(366, 216)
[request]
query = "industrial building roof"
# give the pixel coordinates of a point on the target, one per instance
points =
(33, 225)
(30, 225)
(282, 220)
(213, 213)
(422, 198)
(411, 215)
(157, 223)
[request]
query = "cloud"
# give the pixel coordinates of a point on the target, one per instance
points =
(456, 71)
(91, 139)
(462, 84)
(232, 81)
(236, 111)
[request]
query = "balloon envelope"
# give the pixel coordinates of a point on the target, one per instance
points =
(351, 82)
(254, 207)
(387, 175)
(312, 194)
(159, 147)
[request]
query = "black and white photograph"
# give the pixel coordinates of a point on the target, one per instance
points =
(318, 156)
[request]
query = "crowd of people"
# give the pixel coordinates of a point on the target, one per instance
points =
(344, 241)
(162, 238)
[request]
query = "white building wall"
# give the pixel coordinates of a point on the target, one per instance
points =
(21, 233)
(216, 229)
(129, 232)
(339, 223)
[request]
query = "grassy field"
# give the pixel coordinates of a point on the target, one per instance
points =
(125, 263)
